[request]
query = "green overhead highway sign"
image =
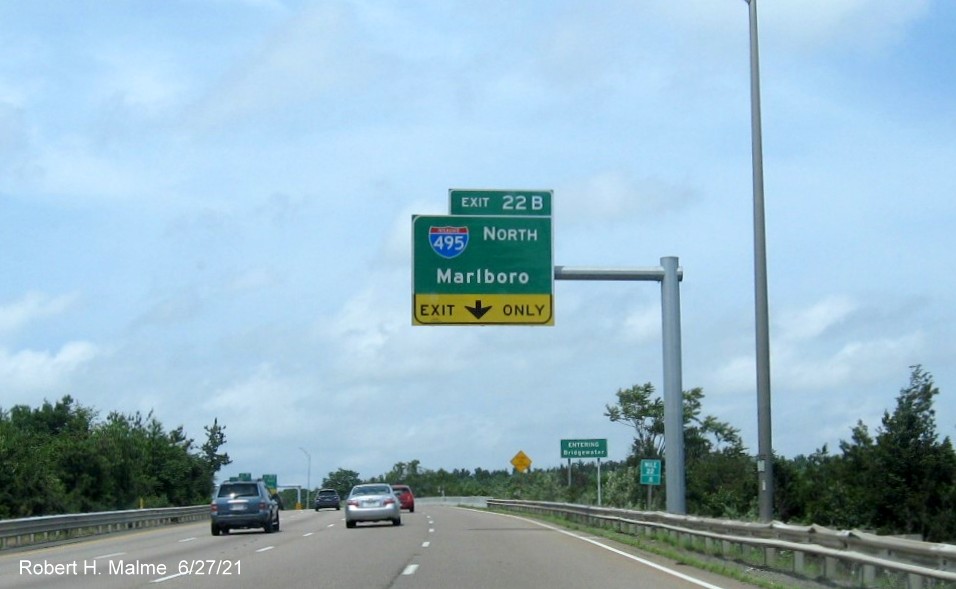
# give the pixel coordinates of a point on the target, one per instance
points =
(482, 270)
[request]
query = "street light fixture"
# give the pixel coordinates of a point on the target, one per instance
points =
(764, 437)
(308, 483)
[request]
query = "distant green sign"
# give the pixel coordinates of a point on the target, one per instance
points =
(245, 476)
(271, 481)
(583, 448)
(650, 472)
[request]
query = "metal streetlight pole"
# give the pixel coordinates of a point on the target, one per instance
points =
(308, 483)
(764, 437)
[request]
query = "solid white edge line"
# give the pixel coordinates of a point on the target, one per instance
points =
(643, 561)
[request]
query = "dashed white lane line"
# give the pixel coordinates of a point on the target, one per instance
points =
(426, 544)
(410, 569)
(187, 540)
(307, 534)
(265, 549)
(108, 555)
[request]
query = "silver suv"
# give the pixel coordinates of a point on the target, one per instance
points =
(244, 504)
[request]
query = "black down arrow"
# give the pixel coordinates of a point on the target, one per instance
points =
(478, 311)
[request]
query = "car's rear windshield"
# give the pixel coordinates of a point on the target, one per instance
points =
(371, 490)
(250, 490)
(327, 493)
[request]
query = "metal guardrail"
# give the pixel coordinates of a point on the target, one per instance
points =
(481, 502)
(848, 558)
(53, 528)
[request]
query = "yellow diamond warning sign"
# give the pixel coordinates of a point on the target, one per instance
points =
(521, 462)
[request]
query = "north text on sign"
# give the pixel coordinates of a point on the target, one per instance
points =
(521, 234)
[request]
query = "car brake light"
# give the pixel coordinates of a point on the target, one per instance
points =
(215, 508)
(389, 502)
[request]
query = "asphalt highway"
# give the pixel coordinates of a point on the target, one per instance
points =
(437, 547)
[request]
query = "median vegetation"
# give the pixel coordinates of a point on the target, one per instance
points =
(61, 458)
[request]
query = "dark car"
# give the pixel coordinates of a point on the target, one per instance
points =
(405, 497)
(328, 498)
(244, 504)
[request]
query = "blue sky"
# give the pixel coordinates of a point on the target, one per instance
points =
(205, 212)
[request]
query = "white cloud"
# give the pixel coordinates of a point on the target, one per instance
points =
(372, 335)
(28, 370)
(77, 173)
(31, 307)
(856, 362)
(811, 322)
(809, 352)
(866, 25)
(263, 397)
(318, 51)
(145, 81)
(643, 325)
(252, 280)
(617, 196)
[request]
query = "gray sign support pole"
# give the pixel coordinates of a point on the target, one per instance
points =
(599, 482)
(669, 275)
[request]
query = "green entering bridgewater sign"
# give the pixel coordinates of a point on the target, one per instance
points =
(583, 448)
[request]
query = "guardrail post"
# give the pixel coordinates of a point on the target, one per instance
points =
(914, 581)
(799, 564)
(869, 575)
(830, 568)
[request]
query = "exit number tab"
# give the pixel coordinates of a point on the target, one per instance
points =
(531, 203)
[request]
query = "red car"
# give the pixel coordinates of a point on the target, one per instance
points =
(405, 497)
